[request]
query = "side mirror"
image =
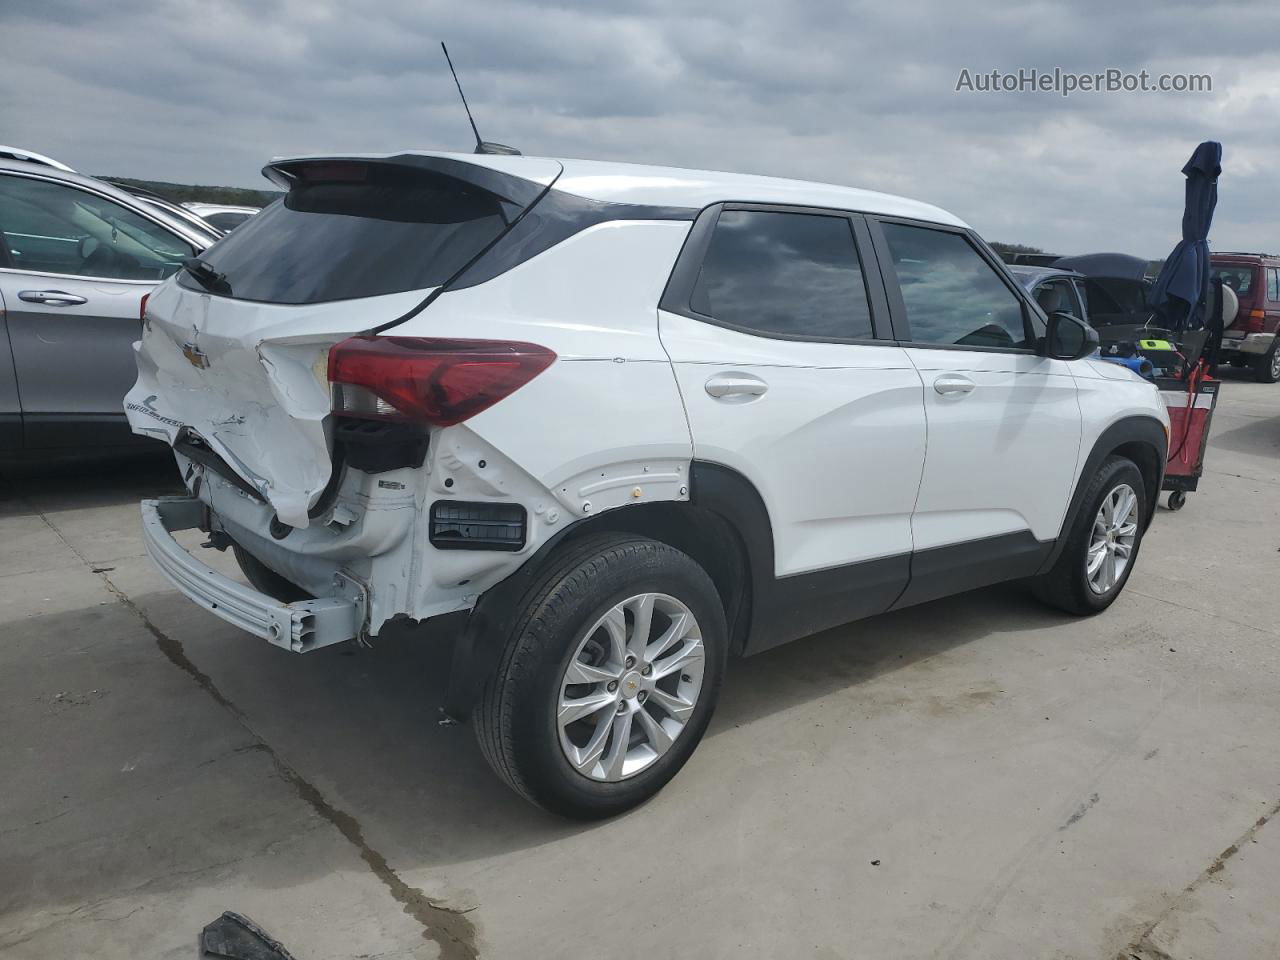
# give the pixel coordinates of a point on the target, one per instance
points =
(1068, 338)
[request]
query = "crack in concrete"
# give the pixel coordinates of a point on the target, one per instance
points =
(65, 916)
(1243, 476)
(995, 892)
(1080, 812)
(449, 928)
(1208, 613)
(1139, 948)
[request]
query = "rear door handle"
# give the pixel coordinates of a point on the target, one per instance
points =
(736, 386)
(54, 298)
(953, 385)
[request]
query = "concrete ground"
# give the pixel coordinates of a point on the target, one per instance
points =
(974, 778)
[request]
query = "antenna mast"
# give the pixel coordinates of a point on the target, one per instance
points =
(458, 84)
(482, 146)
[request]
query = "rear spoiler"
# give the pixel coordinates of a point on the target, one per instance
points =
(521, 191)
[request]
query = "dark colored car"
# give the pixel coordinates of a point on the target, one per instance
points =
(1055, 290)
(1251, 340)
(1106, 290)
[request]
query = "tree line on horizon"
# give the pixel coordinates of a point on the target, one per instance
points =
(197, 193)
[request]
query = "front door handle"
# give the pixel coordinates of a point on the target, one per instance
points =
(953, 385)
(736, 386)
(54, 298)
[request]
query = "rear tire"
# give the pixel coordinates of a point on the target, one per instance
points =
(558, 660)
(267, 580)
(1074, 585)
(1266, 369)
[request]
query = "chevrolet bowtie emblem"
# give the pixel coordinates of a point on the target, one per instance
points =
(195, 356)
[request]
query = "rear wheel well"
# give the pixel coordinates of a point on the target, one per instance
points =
(704, 535)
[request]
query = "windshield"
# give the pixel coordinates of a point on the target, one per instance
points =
(354, 229)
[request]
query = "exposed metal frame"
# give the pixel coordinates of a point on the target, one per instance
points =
(301, 626)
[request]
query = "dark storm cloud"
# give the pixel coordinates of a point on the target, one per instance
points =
(861, 93)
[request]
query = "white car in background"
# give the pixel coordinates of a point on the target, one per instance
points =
(633, 419)
(170, 209)
(30, 156)
(226, 217)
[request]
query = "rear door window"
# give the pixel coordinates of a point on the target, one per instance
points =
(952, 295)
(781, 274)
(357, 230)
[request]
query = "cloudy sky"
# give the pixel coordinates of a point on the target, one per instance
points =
(205, 91)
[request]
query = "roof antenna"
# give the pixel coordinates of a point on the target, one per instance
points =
(482, 146)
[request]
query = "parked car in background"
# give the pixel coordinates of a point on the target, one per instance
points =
(631, 418)
(30, 156)
(169, 208)
(226, 217)
(77, 256)
(1055, 290)
(1251, 340)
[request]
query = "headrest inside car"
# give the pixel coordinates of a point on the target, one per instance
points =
(1050, 299)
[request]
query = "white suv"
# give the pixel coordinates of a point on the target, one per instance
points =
(633, 419)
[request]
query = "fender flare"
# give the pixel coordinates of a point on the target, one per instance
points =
(722, 504)
(1139, 430)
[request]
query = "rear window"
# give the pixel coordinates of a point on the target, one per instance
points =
(357, 230)
(1114, 300)
(1239, 279)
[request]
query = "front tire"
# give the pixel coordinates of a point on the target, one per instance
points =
(1102, 544)
(610, 669)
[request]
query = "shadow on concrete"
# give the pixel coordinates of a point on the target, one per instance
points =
(1259, 437)
(360, 725)
(81, 485)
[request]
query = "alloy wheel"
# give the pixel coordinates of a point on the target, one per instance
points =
(630, 688)
(1111, 544)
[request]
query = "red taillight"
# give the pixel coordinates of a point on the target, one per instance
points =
(142, 307)
(1254, 321)
(441, 382)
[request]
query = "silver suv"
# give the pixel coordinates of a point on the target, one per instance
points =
(77, 257)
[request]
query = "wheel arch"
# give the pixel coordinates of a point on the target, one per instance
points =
(724, 527)
(1139, 439)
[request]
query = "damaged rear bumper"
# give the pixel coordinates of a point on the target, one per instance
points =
(301, 626)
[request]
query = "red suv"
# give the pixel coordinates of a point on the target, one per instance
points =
(1251, 340)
